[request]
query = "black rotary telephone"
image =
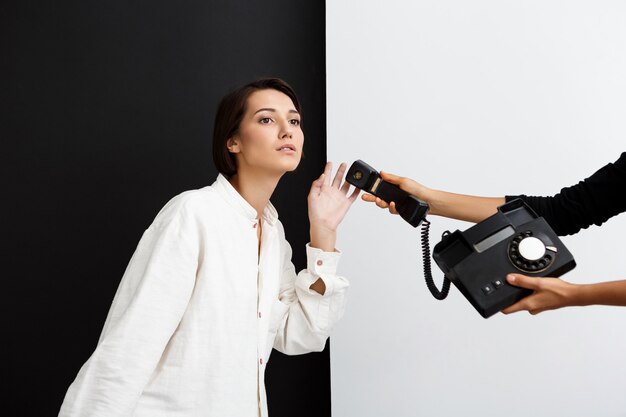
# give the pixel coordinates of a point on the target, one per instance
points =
(515, 239)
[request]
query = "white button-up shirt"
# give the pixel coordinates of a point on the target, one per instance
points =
(198, 311)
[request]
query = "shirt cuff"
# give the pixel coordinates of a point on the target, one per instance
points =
(322, 265)
(320, 262)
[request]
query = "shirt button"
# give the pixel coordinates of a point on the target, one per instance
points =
(319, 262)
(261, 361)
(259, 314)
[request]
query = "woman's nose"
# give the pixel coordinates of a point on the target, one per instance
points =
(286, 131)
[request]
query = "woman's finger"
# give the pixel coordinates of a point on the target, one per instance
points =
(345, 187)
(523, 281)
(381, 203)
(354, 194)
(394, 179)
(328, 169)
(339, 175)
(317, 184)
(519, 306)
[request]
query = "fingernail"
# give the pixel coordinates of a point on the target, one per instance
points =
(511, 278)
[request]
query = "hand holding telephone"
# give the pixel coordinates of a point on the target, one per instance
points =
(476, 261)
(515, 239)
(369, 180)
(411, 209)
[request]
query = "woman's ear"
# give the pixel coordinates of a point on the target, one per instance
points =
(233, 145)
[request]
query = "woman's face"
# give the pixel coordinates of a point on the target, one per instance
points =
(269, 136)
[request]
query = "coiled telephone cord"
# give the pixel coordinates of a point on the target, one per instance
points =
(428, 275)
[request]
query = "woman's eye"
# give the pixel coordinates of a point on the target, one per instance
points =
(265, 120)
(295, 122)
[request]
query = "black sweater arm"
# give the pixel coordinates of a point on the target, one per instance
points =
(591, 201)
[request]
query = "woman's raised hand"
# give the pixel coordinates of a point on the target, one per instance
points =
(328, 204)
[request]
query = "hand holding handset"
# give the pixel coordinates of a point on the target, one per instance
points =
(369, 180)
(411, 209)
(515, 239)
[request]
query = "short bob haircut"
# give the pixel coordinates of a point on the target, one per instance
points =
(229, 114)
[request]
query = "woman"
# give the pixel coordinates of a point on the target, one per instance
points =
(592, 201)
(211, 287)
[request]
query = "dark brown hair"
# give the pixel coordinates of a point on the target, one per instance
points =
(229, 114)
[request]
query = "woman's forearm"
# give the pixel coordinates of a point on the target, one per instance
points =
(456, 206)
(462, 207)
(611, 293)
(323, 238)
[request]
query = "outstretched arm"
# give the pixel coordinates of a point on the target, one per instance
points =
(456, 206)
(553, 293)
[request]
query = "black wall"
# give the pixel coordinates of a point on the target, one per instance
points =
(106, 113)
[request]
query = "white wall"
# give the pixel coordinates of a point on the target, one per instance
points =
(488, 98)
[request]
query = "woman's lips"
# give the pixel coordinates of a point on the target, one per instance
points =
(289, 149)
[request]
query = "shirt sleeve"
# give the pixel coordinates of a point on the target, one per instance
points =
(309, 315)
(148, 306)
(591, 201)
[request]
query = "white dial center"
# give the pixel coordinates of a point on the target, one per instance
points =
(532, 248)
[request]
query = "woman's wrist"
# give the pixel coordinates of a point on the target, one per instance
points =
(602, 293)
(435, 200)
(323, 238)
(462, 207)
(577, 295)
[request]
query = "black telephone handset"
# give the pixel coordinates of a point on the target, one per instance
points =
(515, 239)
(369, 180)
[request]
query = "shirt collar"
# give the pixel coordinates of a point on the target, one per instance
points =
(270, 215)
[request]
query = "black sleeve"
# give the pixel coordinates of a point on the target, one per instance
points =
(592, 201)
